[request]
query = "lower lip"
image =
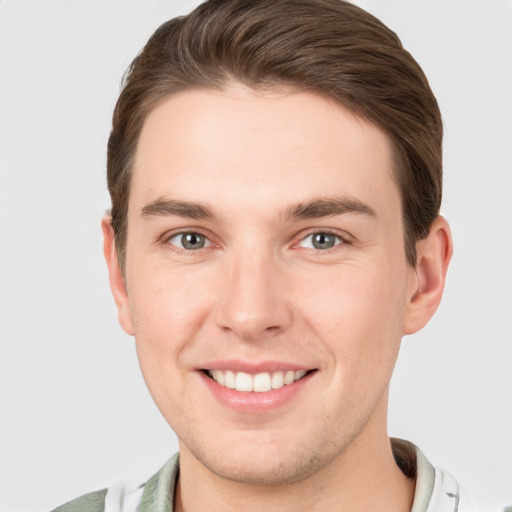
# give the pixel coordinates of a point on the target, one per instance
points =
(255, 402)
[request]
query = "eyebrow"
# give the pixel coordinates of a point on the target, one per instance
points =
(163, 207)
(313, 209)
(327, 207)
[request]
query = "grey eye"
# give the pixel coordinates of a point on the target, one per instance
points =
(320, 241)
(189, 241)
(323, 241)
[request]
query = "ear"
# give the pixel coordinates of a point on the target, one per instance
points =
(427, 284)
(116, 277)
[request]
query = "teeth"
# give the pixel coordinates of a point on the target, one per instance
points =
(289, 377)
(262, 382)
(277, 380)
(219, 377)
(229, 379)
(259, 383)
(243, 382)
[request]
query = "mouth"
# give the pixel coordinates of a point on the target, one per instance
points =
(258, 382)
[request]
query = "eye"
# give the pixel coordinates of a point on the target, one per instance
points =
(189, 241)
(320, 241)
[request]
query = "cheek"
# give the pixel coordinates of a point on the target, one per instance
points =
(168, 310)
(357, 315)
(357, 310)
(167, 313)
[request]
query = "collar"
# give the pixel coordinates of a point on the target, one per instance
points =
(436, 490)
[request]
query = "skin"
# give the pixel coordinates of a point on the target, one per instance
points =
(259, 291)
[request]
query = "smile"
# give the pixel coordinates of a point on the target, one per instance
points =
(259, 383)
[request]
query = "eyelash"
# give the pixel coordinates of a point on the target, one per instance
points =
(183, 250)
(339, 240)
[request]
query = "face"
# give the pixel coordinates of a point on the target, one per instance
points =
(266, 278)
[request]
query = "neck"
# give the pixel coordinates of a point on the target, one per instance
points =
(365, 477)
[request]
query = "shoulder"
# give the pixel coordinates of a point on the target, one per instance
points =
(449, 496)
(157, 492)
(92, 502)
(436, 489)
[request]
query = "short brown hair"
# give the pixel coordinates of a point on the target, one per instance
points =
(329, 47)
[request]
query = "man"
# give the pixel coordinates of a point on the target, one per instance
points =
(275, 174)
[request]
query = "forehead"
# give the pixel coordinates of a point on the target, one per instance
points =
(265, 146)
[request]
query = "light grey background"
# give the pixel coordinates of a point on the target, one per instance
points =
(75, 414)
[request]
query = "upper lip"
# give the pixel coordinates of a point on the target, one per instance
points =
(254, 367)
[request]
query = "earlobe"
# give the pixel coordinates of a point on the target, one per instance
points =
(116, 277)
(433, 257)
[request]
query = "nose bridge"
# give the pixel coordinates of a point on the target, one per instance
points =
(253, 303)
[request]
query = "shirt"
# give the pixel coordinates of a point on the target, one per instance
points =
(436, 490)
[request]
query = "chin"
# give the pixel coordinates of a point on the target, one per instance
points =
(269, 471)
(268, 463)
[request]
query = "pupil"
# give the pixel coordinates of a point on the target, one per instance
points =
(193, 241)
(323, 241)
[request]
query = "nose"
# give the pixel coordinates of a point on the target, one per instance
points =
(254, 301)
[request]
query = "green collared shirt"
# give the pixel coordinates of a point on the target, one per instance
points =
(436, 490)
